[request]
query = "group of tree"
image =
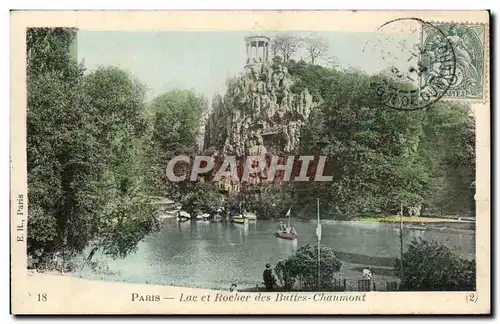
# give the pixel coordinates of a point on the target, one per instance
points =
(287, 47)
(428, 266)
(93, 148)
(204, 198)
(380, 157)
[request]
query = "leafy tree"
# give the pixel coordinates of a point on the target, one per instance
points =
(177, 118)
(51, 50)
(86, 135)
(448, 150)
(302, 268)
(55, 125)
(432, 266)
(128, 214)
(204, 198)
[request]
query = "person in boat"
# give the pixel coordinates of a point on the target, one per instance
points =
(269, 279)
(281, 226)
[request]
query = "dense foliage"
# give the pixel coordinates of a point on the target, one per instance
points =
(301, 269)
(89, 144)
(175, 123)
(379, 157)
(429, 266)
(271, 201)
(203, 198)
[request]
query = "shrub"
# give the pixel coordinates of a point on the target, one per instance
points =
(302, 268)
(432, 266)
(204, 198)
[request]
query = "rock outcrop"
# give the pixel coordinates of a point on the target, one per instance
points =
(259, 113)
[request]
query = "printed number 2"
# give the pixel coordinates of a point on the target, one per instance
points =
(42, 297)
(472, 298)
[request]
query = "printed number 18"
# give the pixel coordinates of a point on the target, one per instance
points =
(42, 297)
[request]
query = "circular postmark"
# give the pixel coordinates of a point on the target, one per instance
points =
(416, 63)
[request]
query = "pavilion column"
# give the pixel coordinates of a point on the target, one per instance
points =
(248, 53)
(257, 49)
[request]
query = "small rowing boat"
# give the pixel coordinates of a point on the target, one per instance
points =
(286, 232)
(286, 236)
(422, 227)
(183, 216)
(203, 217)
(239, 220)
(250, 216)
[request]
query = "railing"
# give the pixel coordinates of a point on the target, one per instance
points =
(362, 285)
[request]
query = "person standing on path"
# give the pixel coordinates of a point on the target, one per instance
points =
(269, 280)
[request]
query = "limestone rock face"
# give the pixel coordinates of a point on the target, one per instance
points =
(259, 112)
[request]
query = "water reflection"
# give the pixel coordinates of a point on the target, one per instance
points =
(413, 234)
(242, 230)
(288, 246)
(182, 226)
(214, 255)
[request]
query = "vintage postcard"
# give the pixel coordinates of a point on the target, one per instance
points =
(250, 162)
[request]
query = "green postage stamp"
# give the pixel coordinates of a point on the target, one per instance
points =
(469, 51)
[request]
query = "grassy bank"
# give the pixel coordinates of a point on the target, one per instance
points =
(364, 259)
(407, 219)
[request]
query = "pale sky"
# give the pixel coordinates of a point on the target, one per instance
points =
(203, 61)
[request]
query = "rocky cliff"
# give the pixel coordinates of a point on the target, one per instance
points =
(259, 113)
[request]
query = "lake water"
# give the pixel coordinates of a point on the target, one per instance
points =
(215, 255)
